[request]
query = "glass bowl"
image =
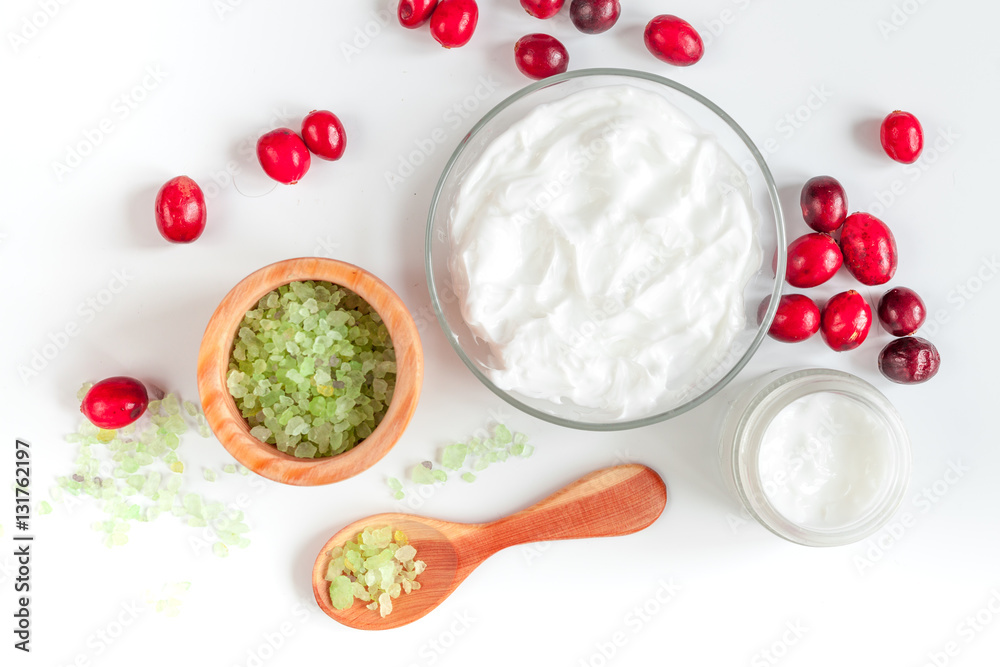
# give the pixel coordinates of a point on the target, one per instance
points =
(477, 354)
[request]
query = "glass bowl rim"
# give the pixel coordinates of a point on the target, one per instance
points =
(762, 328)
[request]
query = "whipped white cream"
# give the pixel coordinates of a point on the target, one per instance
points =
(601, 246)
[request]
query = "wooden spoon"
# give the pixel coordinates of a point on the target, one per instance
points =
(613, 501)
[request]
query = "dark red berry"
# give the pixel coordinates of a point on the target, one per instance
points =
(180, 210)
(812, 260)
(542, 9)
(796, 319)
(909, 360)
(283, 155)
(673, 40)
(845, 321)
(324, 135)
(539, 56)
(902, 137)
(824, 203)
(594, 16)
(115, 402)
(415, 13)
(901, 311)
(454, 21)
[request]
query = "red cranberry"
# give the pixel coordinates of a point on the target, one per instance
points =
(909, 360)
(901, 311)
(796, 319)
(902, 137)
(115, 402)
(180, 210)
(812, 260)
(324, 135)
(594, 16)
(824, 203)
(845, 321)
(415, 13)
(869, 249)
(454, 21)
(673, 40)
(539, 56)
(283, 155)
(542, 9)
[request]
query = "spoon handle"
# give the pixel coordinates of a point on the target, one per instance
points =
(613, 501)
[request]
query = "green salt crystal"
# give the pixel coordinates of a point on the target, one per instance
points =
(399, 495)
(220, 549)
(440, 475)
(229, 469)
(193, 505)
(468, 477)
(394, 484)
(482, 463)
(517, 449)
(44, 508)
(84, 388)
(171, 405)
(502, 434)
(190, 408)
(136, 481)
(175, 424)
(341, 592)
(305, 450)
(261, 433)
(151, 485)
(209, 474)
(422, 474)
(453, 456)
(528, 451)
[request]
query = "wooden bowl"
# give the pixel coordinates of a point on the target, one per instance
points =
(232, 429)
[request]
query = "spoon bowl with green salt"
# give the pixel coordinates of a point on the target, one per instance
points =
(613, 501)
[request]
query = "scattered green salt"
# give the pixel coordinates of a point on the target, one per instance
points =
(210, 475)
(229, 469)
(468, 458)
(44, 507)
(132, 490)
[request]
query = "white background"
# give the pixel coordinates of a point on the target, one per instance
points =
(229, 70)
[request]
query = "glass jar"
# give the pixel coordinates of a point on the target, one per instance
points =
(746, 430)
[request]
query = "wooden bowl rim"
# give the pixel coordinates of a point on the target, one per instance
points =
(231, 428)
